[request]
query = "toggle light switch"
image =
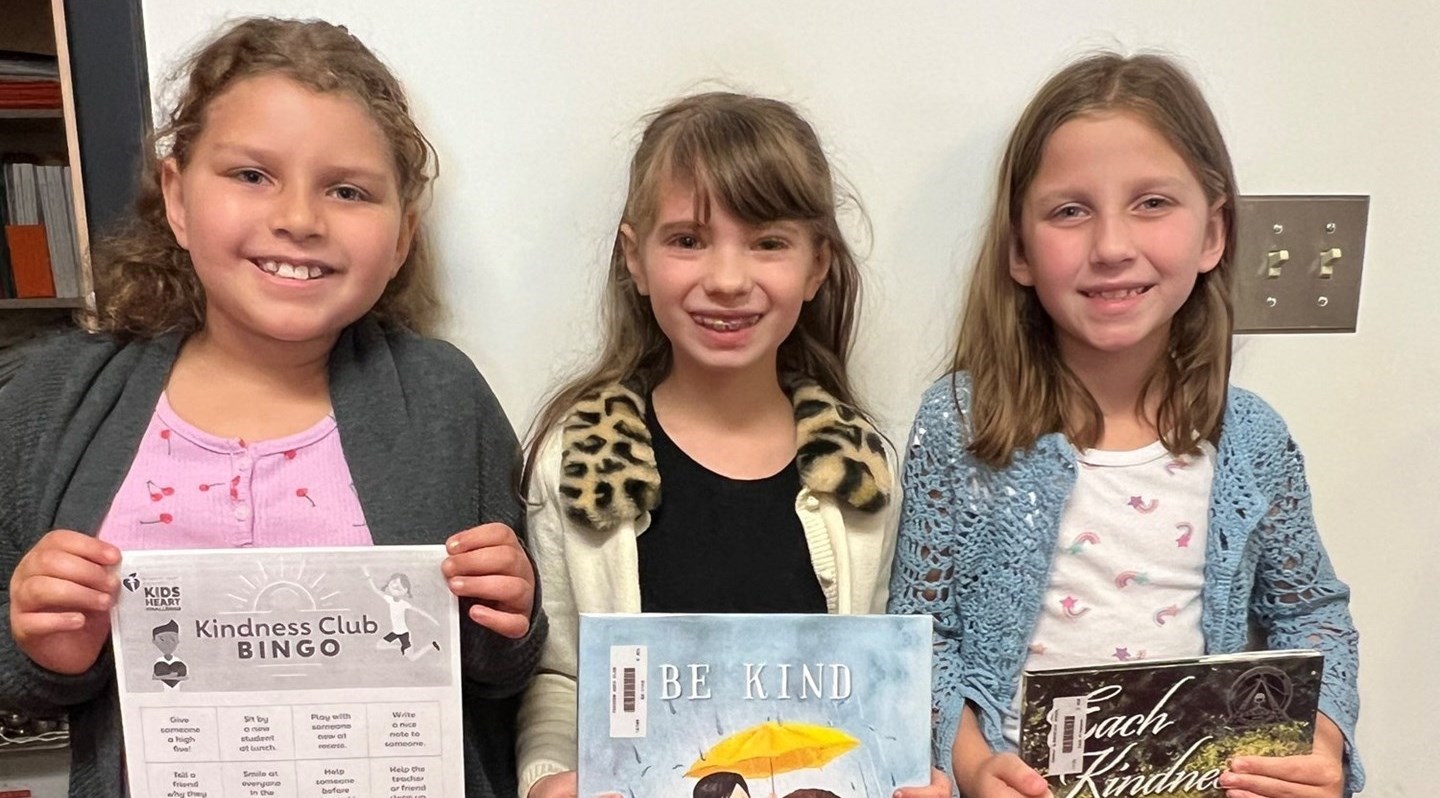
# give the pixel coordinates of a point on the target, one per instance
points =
(1299, 261)
(1327, 261)
(1274, 259)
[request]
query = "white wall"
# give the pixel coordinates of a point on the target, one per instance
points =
(533, 107)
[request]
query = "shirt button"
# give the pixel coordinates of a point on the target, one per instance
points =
(242, 512)
(812, 503)
(243, 463)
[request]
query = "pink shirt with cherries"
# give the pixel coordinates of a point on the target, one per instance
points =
(188, 489)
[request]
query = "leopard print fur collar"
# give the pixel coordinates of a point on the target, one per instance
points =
(608, 474)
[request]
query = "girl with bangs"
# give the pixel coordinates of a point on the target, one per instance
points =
(728, 318)
(1086, 486)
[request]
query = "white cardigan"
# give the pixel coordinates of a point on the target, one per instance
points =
(582, 570)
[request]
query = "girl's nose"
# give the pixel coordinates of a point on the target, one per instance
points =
(729, 272)
(1114, 240)
(296, 214)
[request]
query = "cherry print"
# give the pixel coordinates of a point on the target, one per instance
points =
(289, 454)
(304, 493)
(164, 518)
(235, 488)
(165, 436)
(206, 488)
(156, 492)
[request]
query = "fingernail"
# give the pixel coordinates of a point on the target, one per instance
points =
(1237, 765)
(456, 583)
(452, 544)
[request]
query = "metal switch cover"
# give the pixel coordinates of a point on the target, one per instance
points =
(1297, 263)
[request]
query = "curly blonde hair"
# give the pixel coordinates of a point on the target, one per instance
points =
(1020, 388)
(146, 283)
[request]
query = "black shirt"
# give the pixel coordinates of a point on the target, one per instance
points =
(717, 544)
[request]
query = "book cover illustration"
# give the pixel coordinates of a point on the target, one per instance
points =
(770, 705)
(1165, 728)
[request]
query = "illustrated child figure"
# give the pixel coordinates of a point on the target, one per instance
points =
(168, 670)
(396, 592)
(721, 785)
(1087, 486)
(265, 305)
(721, 385)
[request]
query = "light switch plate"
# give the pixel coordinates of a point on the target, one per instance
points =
(1284, 244)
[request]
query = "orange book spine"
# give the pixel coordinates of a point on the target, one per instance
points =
(30, 261)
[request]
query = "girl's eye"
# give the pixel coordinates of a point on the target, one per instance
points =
(685, 241)
(1069, 212)
(1154, 203)
(772, 244)
(348, 193)
(251, 176)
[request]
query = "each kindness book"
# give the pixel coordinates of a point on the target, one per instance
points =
(1165, 728)
(289, 672)
(783, 702)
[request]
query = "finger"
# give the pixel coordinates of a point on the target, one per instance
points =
(506, 624)
(482, 536)
(501, 560)
(81, 545)
(1020, 777)
(1302, 769)
(1263, 786)
(29, 625)
(52, 594)
(59, 562)
(507, 591)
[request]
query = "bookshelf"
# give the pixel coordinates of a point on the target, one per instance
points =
(43, 141)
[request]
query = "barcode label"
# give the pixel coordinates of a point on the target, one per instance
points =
(1067, 736)
(629, 687)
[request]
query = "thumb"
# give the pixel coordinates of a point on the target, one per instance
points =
(1021, 778)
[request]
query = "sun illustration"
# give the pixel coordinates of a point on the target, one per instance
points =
(283, 587)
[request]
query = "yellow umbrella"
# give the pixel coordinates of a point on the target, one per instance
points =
(772, 748)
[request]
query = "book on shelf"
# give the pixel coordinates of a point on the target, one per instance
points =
(1165, 728)
(7, 275)
(29, 94)
(681, 705)
(40, 231)
(17, 65)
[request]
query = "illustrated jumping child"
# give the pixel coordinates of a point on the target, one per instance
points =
(729, 311)
(169, 670)
(396, 592)
(265, 303)
(1087, 483)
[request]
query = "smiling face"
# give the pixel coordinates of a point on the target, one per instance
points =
(290, 209)
(167, 642)
(1114, 229)
(725, 293)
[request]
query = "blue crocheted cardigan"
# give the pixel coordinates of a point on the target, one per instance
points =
(976, 545)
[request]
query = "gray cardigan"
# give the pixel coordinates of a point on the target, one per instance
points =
(428, 445)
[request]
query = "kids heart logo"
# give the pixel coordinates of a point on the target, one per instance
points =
(131, 582)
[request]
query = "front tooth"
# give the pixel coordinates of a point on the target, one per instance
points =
(314, 272)
(270, 266)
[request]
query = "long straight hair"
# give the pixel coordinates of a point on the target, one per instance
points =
(1020, 387)
(760, 160)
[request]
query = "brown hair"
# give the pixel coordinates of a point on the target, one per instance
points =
(1020, 388)
(146, 284)
(760, 160)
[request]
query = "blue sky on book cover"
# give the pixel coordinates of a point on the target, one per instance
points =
(840, 703)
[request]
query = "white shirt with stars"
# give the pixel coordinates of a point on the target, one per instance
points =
(1129, 566)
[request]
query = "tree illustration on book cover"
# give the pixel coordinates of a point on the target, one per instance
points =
(715, 706)
(1166, 728)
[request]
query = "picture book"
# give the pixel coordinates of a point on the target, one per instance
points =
(1165, 728)
(811, 706)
